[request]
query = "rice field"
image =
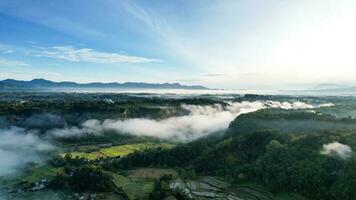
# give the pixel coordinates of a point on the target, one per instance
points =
(120, 150)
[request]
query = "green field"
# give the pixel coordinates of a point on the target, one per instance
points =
(140, 182)
(120, 150)
(133, 189)
(42, 172)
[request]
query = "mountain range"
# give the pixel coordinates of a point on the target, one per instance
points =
(44, 85)
(334, 88)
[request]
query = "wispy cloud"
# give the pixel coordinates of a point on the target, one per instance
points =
(6, 62)
(72, 54)
(8, 51)
(213, 75)
(195, 48)
(219, 37)
(5, 49)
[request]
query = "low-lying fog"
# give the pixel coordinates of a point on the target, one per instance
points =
(201, 121)
(19, 146)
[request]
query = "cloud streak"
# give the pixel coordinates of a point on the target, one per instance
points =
(72, 54)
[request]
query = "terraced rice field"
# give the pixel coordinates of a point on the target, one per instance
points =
(120, 150)
(215, 188)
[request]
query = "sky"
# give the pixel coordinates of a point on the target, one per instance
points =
(231, 44)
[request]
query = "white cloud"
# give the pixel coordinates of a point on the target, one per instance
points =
(287, 105)
(73, 54)
(326, 105)
(342, 150)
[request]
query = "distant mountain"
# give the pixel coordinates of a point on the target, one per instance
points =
(43, 84)
(328, 86)
(334, 88)
(350, 89)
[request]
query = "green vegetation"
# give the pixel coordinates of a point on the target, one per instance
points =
(120, 150)
(39, 173)
(76, 108)
(282, 160)
(133, 189)
(289, 121)
(83, 178)
(269, 154)
(151, 173)
(289, 196)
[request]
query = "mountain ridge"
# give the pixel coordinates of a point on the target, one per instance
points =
(43, 84)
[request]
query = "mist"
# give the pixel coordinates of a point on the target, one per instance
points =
(201, 121)
(19, 147)
(342, 150)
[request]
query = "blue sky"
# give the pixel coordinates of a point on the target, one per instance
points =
(220, 44)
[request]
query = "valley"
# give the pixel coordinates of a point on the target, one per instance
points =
(120, 146)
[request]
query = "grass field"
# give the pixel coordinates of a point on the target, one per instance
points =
(120, 150)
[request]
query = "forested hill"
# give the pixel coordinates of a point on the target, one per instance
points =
(289, 121)
(318, 164)
(43, 84)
